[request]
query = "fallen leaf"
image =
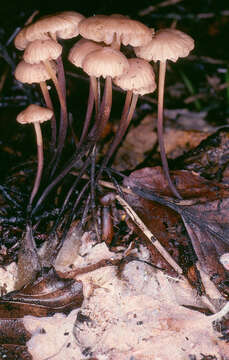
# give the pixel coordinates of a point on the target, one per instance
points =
(205, 216)
(45, 296)
(138, 141)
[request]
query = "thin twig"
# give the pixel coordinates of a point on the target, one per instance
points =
(154, 241)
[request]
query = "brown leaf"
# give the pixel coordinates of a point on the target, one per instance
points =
(205, 216)
(210, 157)
(45, 296)
(138, 141)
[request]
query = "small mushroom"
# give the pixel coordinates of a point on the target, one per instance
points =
(76, 56)
(167, 44)
(37, 73)
(36, 115)
(115, 30)
(107, 63)
(138, 80)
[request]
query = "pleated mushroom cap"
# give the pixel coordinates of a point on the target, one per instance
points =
(31, 73)
(60, 25)
(93, 28)
(80, 50)
(42, 50)
(106, 28)
(105, 62)
(20, 41)
(167, 44)
(75, 18)
(34, 113)
(139, 78)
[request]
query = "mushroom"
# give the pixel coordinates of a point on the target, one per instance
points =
(36, 115)
(60, 25)
(167, 44)
(37, 73)
(138, 80)
(44, 51)
(114, 30)
(108, 63)
(76, 56)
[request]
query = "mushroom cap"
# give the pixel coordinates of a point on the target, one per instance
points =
(34, 113)
(139, 78)
(63, 25)
(32, 73)
(105, 62)
(42, 50)
(80, 50)
(20, 41)
(167, 44)
(105, 28)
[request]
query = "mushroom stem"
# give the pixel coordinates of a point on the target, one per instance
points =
(94, 85)
(87, 120)
(104, 112)
(161, 86)
(49, 104)
(40, 161)
(64, 119)
(116, 43)
(61, 75)
(105, 108)
(59, 177)
(127, 114)
(57, 85)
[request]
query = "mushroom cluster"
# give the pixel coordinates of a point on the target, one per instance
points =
(100, 53)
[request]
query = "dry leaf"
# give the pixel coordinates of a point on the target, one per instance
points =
(205, 216)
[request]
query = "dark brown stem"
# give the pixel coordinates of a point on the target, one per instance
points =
(160, 128)
(40, 162)
(87, 120)
(61, 75)
(64, 119)
(49, 104)
(76, 157)
(104, 112)
(127, 114)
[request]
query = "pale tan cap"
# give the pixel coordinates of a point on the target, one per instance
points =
(32, 73)
(75, 18)
(20, 41)
(139, 78)
(34, 113)
(167, 44)
(42, 50)
(105, 62)
(60, 25)
(105, 28)
(80, 50)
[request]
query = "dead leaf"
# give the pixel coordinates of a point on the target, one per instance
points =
(178, 141)
(205, 216)
(45, 296)
(210, 158)
(138, 141)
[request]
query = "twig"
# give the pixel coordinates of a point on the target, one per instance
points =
(154, 241)
(153, 8)
(220, 314)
